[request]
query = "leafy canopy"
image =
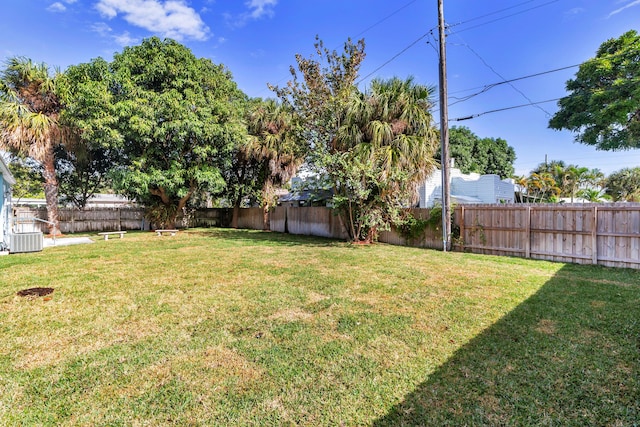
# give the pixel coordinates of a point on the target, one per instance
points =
(373, 147)
(624, 185)
(480, 155)
(176, 119)
(603, 105)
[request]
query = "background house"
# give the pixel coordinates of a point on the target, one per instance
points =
(467, 188)
(6, 181)
(96, 201)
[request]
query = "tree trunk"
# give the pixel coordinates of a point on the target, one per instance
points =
(182, 203)
(236, 212)
(51, 191)
(266, 218)
(267, 193)
(371, 235)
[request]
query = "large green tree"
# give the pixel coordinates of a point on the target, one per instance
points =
(624, 185)
(177, 118)
(480, 155)
(30, 106)
(374, 147)
(603, 105)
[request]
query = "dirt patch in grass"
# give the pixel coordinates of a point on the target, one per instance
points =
(313, 297)
(35, 292)
(291, 314)
(230, 361)
(546, 326)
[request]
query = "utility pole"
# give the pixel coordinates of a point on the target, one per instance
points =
(444, 134)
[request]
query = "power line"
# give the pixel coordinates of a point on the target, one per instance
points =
(473, 116)
(486, 88)
(503, 78)
(385, 18)
(491, 13)
(504, 17)
(631, 82)
(492, 85)
(392, 58)
(454, 25)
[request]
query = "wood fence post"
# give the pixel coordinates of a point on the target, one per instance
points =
(594, 236)
(461, 227)
(527, 243)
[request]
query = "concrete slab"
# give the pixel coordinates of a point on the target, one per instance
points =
(66, 241)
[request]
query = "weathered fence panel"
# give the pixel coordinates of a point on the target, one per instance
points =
(562, 233)
(618, 236)
(252, 218)
(211, 217)
(604, 234)
(278, 219)
(431, 238)
(315, 221)
(77, 221)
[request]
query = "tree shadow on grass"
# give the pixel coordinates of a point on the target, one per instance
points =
(269, 238)
(569, 355)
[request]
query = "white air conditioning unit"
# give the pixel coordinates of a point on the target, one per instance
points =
(26, 242)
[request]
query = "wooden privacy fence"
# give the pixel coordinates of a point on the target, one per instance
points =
(88, 220)
(604, 234)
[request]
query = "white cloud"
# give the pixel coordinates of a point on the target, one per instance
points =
(575, 11)
(57, 7)
(101, 28)
(171, 18)
(257, 9)
(125, 39)
(631, 4)
(260, 8)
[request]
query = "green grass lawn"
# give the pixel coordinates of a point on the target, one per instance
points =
(228, 327)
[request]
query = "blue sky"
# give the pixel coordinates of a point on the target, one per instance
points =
(488, 42)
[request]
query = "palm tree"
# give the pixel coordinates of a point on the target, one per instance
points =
(573, 177)
(390, 130)
(29, 112)
(593, 195)
(543, 187)
(272, 143)
(522, 183)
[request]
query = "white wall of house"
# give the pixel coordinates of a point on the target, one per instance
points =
(6, 181)
(467, 188)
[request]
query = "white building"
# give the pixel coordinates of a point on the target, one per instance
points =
(96, 201)
(467, 188)
(6, 181)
